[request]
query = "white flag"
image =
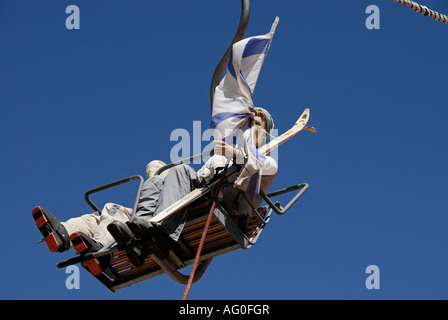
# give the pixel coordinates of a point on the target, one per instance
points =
(232, 111)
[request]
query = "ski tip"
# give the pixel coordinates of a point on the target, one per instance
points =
(311, 129)
(305, 116)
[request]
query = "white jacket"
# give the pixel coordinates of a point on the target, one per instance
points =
(238, 205)
(269, 168)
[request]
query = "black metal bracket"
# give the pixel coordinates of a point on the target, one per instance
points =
(242, 26)
(276, 207)
(111, 185)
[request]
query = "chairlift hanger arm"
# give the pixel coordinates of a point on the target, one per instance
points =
(242, 26)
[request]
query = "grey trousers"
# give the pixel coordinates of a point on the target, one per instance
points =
(158, 193)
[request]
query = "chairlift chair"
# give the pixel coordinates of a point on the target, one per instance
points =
(223, 235)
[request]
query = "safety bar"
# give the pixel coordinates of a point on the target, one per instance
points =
(185, 160)
(111, 185)
(278, 209)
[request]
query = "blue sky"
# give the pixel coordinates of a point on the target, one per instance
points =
(81, 108)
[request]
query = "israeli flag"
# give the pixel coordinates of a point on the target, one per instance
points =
(232, 111)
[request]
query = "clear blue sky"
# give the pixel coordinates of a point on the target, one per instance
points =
(81, 108)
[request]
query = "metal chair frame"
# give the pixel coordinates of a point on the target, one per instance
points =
(224, 235)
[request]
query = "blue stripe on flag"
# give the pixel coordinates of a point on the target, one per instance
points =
(220, 117)
(232, 139)
(255, 46)
(253, 150)
(247, 85)
(230, 65)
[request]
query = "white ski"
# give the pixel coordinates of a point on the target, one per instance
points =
(198, 192)
(186, 200)
(298, 126)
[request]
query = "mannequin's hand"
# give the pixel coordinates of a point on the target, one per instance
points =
(223, 149)
(206, 175)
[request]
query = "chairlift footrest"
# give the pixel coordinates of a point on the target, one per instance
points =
(50, 237)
